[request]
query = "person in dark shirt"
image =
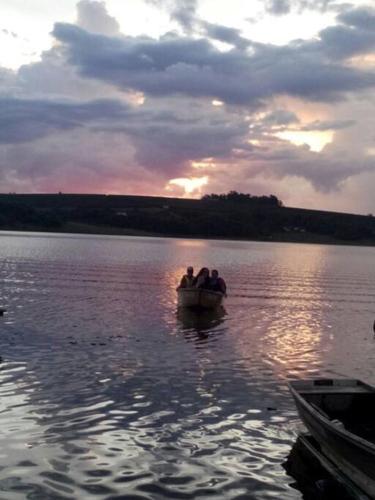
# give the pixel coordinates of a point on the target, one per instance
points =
(216, 282)
(202, 279)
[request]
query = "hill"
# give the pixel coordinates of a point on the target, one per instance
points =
(233, 216)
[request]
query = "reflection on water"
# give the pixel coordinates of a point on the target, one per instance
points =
(108, 392)
(200, 320)
(201, 326)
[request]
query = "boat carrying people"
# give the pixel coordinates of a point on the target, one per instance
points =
(202, 291)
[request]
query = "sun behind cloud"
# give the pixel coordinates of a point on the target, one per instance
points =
(316, 140)
(190, 185)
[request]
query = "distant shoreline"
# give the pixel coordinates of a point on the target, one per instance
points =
(87, 229)
(243, 218)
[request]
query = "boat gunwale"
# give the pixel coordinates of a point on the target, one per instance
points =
(205, 290)
(341, 432)
(332, 468)
(199, 298)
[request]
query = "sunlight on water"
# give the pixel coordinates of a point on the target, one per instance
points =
(108, 391)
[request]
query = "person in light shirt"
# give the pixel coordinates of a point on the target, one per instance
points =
(187, 281)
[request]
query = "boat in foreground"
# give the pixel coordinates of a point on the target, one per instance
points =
(199, 298)
(340, 415)
(316, 475)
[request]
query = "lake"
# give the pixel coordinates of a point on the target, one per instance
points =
(108, 392)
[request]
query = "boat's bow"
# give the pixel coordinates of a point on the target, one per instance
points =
(340, 414)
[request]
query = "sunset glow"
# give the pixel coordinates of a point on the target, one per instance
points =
(192, 185)
(316, 141)
(206, 163)
(164, 97)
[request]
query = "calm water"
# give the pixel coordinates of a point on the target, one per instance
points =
(107, 392)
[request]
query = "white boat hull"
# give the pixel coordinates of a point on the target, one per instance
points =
(198, 297)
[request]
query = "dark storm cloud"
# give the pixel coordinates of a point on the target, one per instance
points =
(23, 120)
(181, 65)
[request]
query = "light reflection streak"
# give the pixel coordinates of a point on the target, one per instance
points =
(291, 329)
(191, 243)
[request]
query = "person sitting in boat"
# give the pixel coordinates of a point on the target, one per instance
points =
(187, 280)
(202, 279)
(216, 282)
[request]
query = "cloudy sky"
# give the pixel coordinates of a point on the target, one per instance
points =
(186, 97)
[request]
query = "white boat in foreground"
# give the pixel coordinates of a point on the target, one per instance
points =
(199, 297)
(340, 414)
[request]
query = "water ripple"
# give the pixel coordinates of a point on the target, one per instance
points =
(107, 391)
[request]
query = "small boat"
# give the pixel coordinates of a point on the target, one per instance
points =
(316, 476)
(199, 298)
(340, 415)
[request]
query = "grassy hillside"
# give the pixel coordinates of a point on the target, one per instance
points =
(248, 218)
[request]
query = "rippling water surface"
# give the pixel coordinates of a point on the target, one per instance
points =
(106, 391)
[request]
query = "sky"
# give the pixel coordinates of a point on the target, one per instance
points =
(189, 97)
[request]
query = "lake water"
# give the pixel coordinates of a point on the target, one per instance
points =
(107, 392)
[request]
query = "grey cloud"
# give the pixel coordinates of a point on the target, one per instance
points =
(320, 5)
(130, 54)
(163, 141)
(225, 34)
(283, 7)
(8, 78)
(182, 11)
(166, 141)
(9, 33)
(278, 7)
(23, 120)
(159, 139)
(280, 117)
(194, 67)
(143, 144)
(93, 17)
(362, 17)
(325, 171)
(75, 161)
(343, 42)
(319, 125)
(168, 148)
(328, 173)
